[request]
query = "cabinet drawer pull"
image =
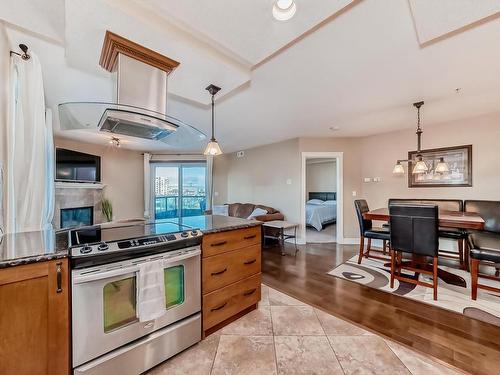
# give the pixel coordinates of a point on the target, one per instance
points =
(219, 307)
(219, 272)
(250, 261)
(247, 293)
(250, 237)
(219, 243)
(59, 277)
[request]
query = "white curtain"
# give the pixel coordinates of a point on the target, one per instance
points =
(29, 177)
(147, 186)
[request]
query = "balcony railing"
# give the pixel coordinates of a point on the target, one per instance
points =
(171, 206)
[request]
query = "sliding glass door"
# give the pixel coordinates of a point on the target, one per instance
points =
(179, 189)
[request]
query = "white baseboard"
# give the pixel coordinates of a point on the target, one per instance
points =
(349, 241)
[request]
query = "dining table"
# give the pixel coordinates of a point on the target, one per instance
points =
(447, 219)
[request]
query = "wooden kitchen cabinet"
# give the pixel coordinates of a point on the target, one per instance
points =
(34, 319)
(231, 275)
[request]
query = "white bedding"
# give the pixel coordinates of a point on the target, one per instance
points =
(317, 214)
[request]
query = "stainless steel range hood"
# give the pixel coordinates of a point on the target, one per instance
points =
(139, 108)
(142, 86)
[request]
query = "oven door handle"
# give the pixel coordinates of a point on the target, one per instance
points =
(80, 279)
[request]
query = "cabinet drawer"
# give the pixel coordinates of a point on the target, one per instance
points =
(224, 269)
(226, 302)
(218, 243)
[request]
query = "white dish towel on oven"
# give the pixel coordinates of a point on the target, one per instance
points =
(151, 291)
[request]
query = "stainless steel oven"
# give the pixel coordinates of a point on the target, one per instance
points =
(104, 314)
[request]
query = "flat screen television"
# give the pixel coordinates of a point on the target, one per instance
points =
(77, 166)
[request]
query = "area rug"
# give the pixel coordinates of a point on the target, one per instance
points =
(453, 293)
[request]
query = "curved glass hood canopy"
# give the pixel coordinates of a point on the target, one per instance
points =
(131, 121)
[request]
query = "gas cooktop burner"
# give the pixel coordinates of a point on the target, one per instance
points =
(100, 244)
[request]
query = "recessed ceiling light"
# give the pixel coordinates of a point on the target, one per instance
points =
(283, 10)
(334, 128)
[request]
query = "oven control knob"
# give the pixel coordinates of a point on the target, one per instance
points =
(102, 246)
(194, 232)
(85, 249)
(184, 234)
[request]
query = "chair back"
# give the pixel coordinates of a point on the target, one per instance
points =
(488, 210)
(414, 228)
(443, 204)
(361, 207)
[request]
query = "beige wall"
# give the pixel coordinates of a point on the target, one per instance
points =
(380, 153)
(260, 177)
(4, 89)
(321, 176)
(121, 171)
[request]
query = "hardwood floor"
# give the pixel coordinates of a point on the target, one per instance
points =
(453, 338)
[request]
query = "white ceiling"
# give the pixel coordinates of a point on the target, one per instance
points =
(246, 28)
(360, 71)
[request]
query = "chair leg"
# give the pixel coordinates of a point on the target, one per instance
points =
(392, 267)
(466, 256)
(368, 247)
(361, 249)
(461, 252)
(474, 270)
(435, 277)
(384, 246)
(399, 260)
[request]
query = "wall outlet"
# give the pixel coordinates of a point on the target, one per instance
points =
(288, 181)
(367, 179)
(240, 154)
(354, 193)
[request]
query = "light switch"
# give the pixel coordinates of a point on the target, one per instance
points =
(377, 179)
(368, 179)
(354, 193)
(288, 181)
(216, 193)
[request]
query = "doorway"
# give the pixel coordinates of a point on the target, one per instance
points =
(322, 197)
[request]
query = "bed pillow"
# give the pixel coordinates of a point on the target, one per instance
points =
(330, 202)
(222, 209)
(315, 201)
(256, 212)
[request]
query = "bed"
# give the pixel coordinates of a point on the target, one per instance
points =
(321, 209)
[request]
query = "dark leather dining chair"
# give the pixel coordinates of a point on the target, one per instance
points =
(369, 232)
(455, 234)
(414, 230)
(484, 245)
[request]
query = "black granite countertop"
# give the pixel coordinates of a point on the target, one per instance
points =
(31, 247)
(215, 223)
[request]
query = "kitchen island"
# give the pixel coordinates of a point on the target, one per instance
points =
(35, 281)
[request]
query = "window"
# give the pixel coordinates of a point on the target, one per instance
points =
(179, 189)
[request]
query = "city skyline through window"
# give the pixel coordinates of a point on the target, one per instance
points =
(179, 189)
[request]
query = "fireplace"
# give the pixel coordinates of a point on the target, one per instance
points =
(77, 216)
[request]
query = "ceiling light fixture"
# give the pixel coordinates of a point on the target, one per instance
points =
(213, 147)
(420, 165)
(283, 10)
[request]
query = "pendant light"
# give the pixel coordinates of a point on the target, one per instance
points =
(213, 147)
(420, 165)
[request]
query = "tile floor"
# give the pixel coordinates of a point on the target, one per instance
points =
(286, 336)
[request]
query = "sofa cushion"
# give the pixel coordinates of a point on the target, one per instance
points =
(257, 211)
(233, 207)
(269, 210)
(244, 210)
